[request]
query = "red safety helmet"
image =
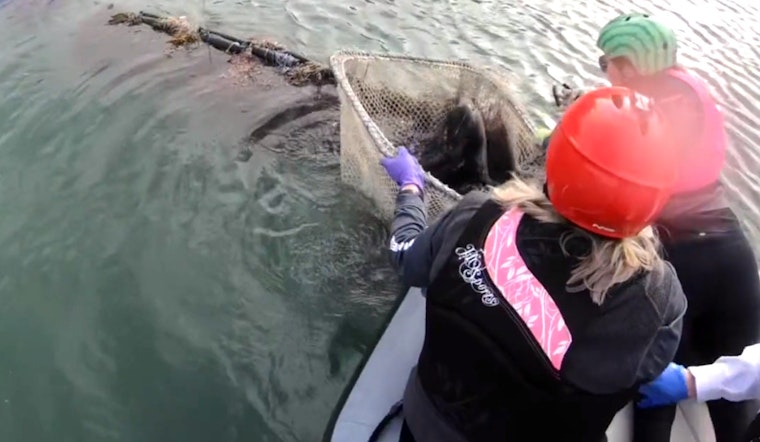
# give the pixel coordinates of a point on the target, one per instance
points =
(610, 167)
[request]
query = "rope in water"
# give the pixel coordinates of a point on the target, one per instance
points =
(297, 69)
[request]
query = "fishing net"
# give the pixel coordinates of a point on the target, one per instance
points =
(388, 101)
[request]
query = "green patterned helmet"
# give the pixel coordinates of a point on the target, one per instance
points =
(648, 44)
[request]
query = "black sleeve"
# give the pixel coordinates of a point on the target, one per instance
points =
(415, 246)
(633, 341)
(663, 348)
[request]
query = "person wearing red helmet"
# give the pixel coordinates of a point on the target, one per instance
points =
(701, 235)
(546, 308)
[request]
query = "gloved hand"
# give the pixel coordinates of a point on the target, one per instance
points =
(404, 169)
(670, 387)
(564, 94)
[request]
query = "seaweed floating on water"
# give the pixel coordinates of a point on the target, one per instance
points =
(178, 28)
(182, 34)
(267, 44)
(310, 73)
(128, 18)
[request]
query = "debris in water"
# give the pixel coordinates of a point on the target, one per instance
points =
(127, 18)
(243, 69)
(268, 44)
(295, 68)
(310, 73)
(182, 34)
(244, 155)
(178, 28)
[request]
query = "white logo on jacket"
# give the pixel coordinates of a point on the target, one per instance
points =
(400, 247)
(471, 270)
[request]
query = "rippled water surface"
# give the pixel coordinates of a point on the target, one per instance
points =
(152, 288)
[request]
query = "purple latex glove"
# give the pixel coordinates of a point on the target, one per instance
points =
(670, 387)
(404, 169)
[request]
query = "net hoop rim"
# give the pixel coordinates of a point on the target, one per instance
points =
(386, 148)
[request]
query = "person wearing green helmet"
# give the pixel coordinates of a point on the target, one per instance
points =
(640, 52)
(648, 46)
(701, 235)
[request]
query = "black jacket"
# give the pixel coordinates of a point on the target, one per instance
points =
(480, 367)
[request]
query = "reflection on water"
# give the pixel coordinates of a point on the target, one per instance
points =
(159, 286)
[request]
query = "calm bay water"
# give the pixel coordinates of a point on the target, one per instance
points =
(154, 289)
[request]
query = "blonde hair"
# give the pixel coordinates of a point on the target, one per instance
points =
(609, 262)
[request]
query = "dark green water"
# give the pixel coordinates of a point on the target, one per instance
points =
(154, 289)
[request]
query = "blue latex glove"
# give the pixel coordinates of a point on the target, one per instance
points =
(404, 169)
(670, 387)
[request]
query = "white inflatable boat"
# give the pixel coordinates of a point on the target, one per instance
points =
(379, 383)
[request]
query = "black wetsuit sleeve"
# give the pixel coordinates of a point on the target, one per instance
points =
(634, 341)
(416, 247)
(663, 348)
(413, 244)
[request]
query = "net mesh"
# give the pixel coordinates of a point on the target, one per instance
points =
(391, 100)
